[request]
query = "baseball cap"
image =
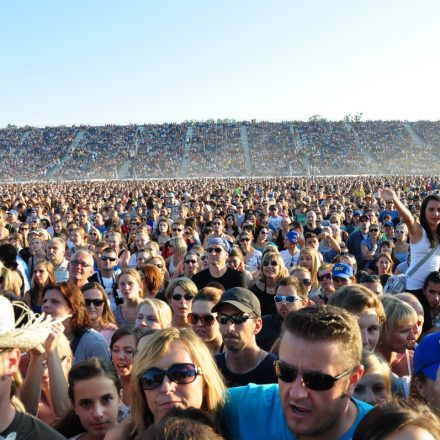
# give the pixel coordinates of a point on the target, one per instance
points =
(220, 241)
(342, 270)
(12, 211)
(241, 298)
(427, 355)
(364, 217)
(292, 236)
(388, 223)
(357, 212)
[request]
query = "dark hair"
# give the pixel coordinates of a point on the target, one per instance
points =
(433, 277)
(70, 425)
(424, 221)
(8, 255)
(124, 331)
(394, 416)
(183, 424)
(328, 323)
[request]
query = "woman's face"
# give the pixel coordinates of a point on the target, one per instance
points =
(76, 238)
(57, 227)
(92, 297)
(263, 234)
(325, 279)
(170, 394)
(234, 263)
(401, 233)
(383, 265)
(180, 305)
(230, 221)
(305, 260)
(129, 286)
(217, 226)
(146, 318)
(36, 245)
(370, 328)
(55, 305)
(305, 279)
(403, 336)
(206, 332)
(93, 236)
(432, 213)
(96, 402)
(245, 242)
(159, 264)
(40, 275)
(371, 388)
(141, 258)
(271, 268)
(122, 354)
(163, 227)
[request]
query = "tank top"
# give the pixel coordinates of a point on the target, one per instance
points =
(418, 251)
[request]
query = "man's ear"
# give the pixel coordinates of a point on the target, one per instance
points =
(258, 326)
(354, 377)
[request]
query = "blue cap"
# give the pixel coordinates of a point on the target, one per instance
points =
(342, 270)
(388, 224)
(427, 355)
(292, 236)
(357, 212)
(220, 241)
(12, 211)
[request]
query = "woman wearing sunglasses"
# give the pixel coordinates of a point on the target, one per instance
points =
(309, 258)
(271, 272)
(191, 265)
(98, 308)
(326, 287)
(93, 236)
(304, 275)
(261, 238)
(203, 321)
(174, 370)
(252, 256)
(179, 295)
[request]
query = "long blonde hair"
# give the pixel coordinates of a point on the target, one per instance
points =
(159, 345)
(314, 267)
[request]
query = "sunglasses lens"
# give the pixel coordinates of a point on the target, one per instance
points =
(182, 374)
(285, 373)
(152, 378)
(318, 381)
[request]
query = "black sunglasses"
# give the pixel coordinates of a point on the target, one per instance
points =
(193, 319)
(313, 380)
(179, 373)
(95, 302)
(178, 296)
(306, 282)
(235, 319)
(108, 258)
(191, 261)
(326, 276)
(217, 250)
(271, 263)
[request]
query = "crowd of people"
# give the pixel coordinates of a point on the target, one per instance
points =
(219, 149)
(221, 308)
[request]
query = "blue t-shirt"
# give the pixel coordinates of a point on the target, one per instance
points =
(254, 412)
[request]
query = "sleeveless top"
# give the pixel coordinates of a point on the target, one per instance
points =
(418, 251)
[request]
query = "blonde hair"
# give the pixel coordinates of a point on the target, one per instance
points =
(179, 245)
(161, 311)
(375, 363)
(397, 313)
(185, 283)
(135, 274)
(283, 272)
(315, 265)
(159, 345)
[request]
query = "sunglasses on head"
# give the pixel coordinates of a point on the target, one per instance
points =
(216, 250)
(181, 374)
(313, 380)
(239, 318)
(178, 297)
(326, 276)
(271, 263)
(193, 319)
(288, 299)
(95, 302)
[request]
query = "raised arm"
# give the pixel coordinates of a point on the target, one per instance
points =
(414, 228)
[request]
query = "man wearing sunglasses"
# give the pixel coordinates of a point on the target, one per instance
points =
(218, 250)
(107, 276)
(318, 368)
(290, 255)
(244, 362)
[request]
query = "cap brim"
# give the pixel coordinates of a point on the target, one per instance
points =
(236, 304)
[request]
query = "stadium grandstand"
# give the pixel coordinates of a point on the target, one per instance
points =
(215, 149)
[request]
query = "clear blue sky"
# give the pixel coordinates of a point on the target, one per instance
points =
(96, 61)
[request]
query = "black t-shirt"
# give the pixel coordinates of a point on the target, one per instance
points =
(266, 300)
(270, 332)
(27, 427)
(231, 278)
(263, 373)
(315, 231)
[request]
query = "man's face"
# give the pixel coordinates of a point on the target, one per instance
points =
(80, 268)
(55, 252)
(311, 217)
(432, 294)
(236, 337)
(82, 217)
(308, 412)
(284, 307)
(364, 224)
(217, 255)
(109, 260)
